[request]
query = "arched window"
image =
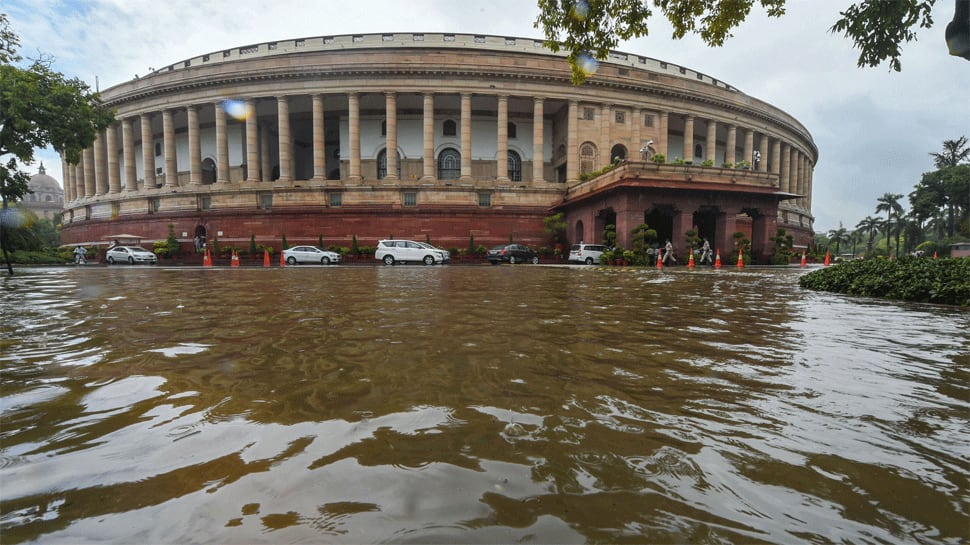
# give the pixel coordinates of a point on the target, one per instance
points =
(698, 151)
(382, 164)
(511, 130)
(618, 152)
(587, 158)
(579, 231)
(515, 166)
(208, 171)
(449, 164)
(450, 128)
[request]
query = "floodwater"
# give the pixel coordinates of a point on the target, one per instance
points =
(476, 404)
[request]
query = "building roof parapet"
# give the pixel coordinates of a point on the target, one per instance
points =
(430, 40)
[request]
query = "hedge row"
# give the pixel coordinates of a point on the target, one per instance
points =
(920, 279)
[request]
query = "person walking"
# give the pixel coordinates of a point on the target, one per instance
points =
(706, 258)
(79, 253)
(669, 253)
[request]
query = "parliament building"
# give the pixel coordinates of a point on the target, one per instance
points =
(436, 136)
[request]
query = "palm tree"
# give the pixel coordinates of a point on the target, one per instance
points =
(869, 226)
(838, 236)
(954, 152)
(889, 203)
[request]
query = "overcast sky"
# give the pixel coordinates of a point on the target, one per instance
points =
(874, 128)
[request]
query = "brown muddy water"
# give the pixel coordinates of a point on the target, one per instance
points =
(476, 405)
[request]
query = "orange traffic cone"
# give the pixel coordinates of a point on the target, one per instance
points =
(282, 261)
(235, 259)
(266, 258)
(690, 260)
(660, 260)
(207, 260)
(828, 259)
(717, 259)
(804, 260)
(740, 258)
(934, 255)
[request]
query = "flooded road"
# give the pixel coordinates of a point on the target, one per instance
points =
(476, 405)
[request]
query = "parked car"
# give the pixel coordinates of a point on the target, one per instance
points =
(404, 251)
(586, 253)
(512, 253)
(309, 254)
(445, 253)
(130, 255)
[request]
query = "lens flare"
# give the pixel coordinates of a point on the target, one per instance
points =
(236, 108)
(580, 10)
(587, 63)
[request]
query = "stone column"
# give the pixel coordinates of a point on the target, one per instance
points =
(390, 150)
(87, 168)
(128, 147)
(286, 139)
(252, 142)
(502, 148)
(466, 137)
(776, 159)
(572, 143)
(100, 169)
(428, 163)
(605, 155)
(689, 138)
(799, 176)
(749, 146)
(732, 144)
(353, 105)
(785, 180)
(662, 136)
(636, 122)
(319, 141)
(810, 175)
(538, 147)
(195, 146)
(66, 178)
(114, 169)
(712, 141)
(222, 144)
(763, 165)
(265, 168)
(147, 151)
(171, 158)
(726, 226)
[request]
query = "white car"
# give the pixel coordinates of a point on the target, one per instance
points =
(445, 253)
(130, 255)
(404, 251)
(586, 253)
(310, 254)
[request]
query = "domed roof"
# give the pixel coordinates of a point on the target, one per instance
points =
(42, 182)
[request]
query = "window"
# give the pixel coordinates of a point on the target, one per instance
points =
(208, 171)
(589, 114)
(619, 117)
(587, 158)
(154, 204)
(382, 164)
(266, 201)
(158, 149)
(512, 130)
(115, 210)
(648, 120)
(409, 198)
(450, 128)
(618, 152)
(335, 199)
(484, 200)
(449, 164)
(205, 202)
(698, 151)
(515, 166)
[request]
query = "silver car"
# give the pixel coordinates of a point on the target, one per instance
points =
(404, 251)
(586, 253)
(130, 255)
(309, 254)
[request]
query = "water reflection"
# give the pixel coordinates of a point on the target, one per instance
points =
(476, 404)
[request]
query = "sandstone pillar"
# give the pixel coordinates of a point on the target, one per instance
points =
(390, 150)
(171, 159)
(252, 142)
(776, 160)
(749, 146)
(353, 105)
(111, 152)
(688, 138)
(712, 141)
(763, 165)
(428, 163)
(732, 144)
(538, 131)
(285, 139)
(572, 143)
(128, 153)
(319, 141)
(195, 146)
(502, 149)
(147, 151)
(662, 136)
(100, 168)
(786, 168)
(222, 144)
(466, 137)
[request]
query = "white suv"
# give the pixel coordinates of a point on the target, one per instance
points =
(393, 251)
(586, 253)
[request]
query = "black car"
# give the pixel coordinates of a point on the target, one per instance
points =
(512, 253)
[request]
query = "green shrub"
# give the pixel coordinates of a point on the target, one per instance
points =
(919, 279)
